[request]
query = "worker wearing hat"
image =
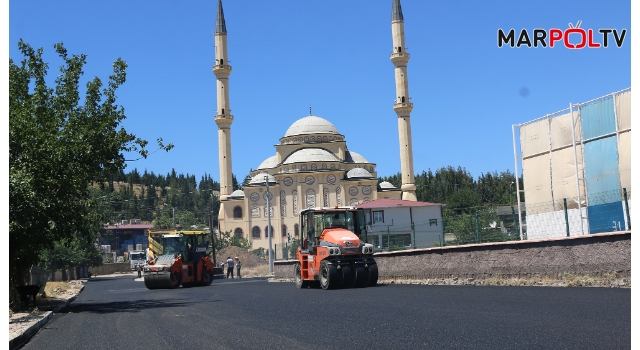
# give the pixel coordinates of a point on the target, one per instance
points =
(238, 266)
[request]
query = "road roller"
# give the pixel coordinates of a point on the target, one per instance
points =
(179, 260)
(334, 252)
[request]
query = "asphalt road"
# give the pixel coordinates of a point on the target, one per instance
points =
(120, 313)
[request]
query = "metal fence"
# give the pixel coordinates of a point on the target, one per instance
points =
(601, 212)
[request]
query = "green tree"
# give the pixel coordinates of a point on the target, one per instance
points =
(57, 146)
(163, 221)
(465, 201)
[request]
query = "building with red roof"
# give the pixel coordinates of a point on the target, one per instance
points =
(400, 224)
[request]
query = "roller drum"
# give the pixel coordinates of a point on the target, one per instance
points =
(163, 281)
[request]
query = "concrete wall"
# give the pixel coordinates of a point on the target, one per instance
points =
(598, 254)
(108, 269)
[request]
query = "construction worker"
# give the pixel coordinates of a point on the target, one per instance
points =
(238, 266)
(229, 267)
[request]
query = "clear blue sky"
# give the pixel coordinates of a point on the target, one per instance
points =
(332, 54)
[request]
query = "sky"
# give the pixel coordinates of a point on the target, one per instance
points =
(333, 55)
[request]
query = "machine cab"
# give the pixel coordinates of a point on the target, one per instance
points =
(190, 247)
(315, 221)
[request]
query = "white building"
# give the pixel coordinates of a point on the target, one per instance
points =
(402, 224)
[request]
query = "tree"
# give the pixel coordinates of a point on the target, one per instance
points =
(463, 201)
(57, 146)
(163, 221)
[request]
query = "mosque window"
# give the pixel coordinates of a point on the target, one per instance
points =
(303, 167)
(293, 167)
(255, 211)
(237, 212)
(255, 233)
(286, 169)
(268, 211)
(283, 204)
(294, 194)
(314, 167)
(353, 191)
(266, 231)
(296, 230)
(366, 190)
(306, 139)
(284, 230)
(338, 197)
(309, 180)
(311, 198)
(333, 166)
(313, 139)
(353, 202)
(324, 166)
(365, 200)
(324, 139)
(238, 233)
(326, 197)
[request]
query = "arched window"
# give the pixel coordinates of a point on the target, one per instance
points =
(268, 212)
(326, 197)
(238, 233)
(266, 232)
(237, 212)
(255, 232)
(296, 230)
(283, 204)
(284, 230)
(311, 198)
(295, 202)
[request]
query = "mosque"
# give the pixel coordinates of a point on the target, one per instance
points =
(312, 165)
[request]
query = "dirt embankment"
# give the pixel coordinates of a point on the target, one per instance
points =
(247, 259)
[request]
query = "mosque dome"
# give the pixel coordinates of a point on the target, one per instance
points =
(310, 155)
(353, 157)
(268, 163)
(311, 125)
(259, 179)
(237, 194)
(358, 173)
(385, 185)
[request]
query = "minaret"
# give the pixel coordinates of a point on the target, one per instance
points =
(223, 117)
(403, 105)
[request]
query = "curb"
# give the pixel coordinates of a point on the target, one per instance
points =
(31, 331)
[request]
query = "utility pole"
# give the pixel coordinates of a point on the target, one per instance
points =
(266, 180)
(174, 217)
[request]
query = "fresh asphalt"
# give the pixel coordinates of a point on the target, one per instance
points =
(120, 313)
